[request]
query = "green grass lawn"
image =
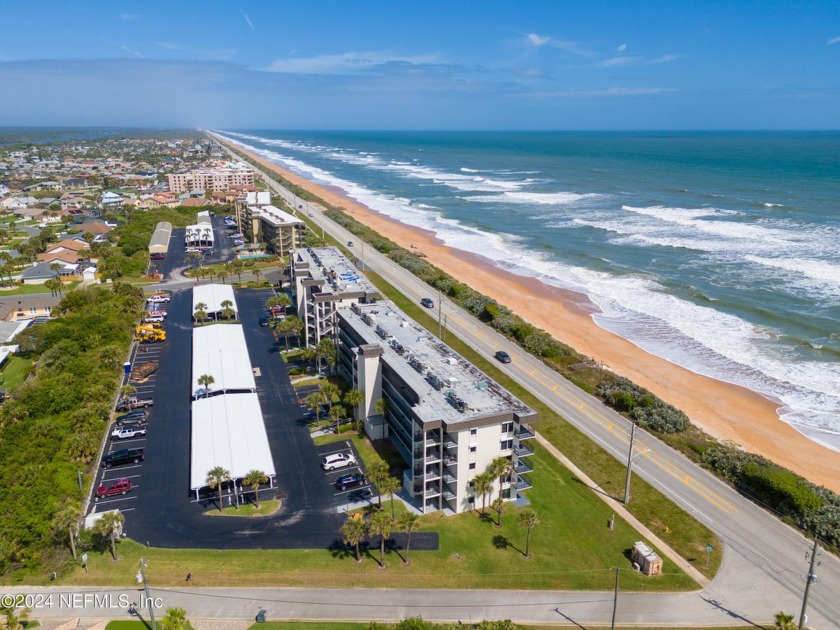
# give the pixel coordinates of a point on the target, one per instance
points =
(14, 372)
(249, 509)
(680, 530)
(29, 289)
(332, 625)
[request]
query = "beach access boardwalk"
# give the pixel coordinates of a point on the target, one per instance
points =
(764, 567)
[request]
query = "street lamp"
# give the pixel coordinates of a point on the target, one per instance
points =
(141, 579)
(630, 458)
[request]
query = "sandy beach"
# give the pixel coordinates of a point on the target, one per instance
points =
(726, 411)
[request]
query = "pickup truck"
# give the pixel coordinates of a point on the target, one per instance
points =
(126, 433)
(157, 298)
(121, 486)
(123, 456)
(134, 403)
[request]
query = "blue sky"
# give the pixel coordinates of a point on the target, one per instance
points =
(551, 64)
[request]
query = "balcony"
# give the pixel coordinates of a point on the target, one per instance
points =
(432, 442)
(450, 445)
(448, 479)
(450, 461)
(432, 490)
(522, 484)
(524, 432)
(448, 495)
(432, 474)
(522, 451)
(432, 457)
(523, 467)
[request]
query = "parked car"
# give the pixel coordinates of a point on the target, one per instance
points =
(238, 242)
(123, 456)
(154, 316)
(135, 403)
(157, 256)
(237, 235)
(502, 356)
(338, 460)
(129, 432)
(138, 416)
(264, 322)
(120, 486)
(427, 302)
(159, 297)
(349, 481)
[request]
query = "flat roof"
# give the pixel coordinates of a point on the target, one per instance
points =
(329, 265)
(275, 215)
(199, 232)
(450, 388)
(212, 295)
(159, 242)
(228, 431)
(220, 351)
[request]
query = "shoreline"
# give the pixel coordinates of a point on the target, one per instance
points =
(724, 410)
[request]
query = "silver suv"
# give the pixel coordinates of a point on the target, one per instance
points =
(338, 460)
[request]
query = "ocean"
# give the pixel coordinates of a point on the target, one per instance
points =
(717, 251)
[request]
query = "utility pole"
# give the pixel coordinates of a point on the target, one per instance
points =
(440, 311)
(629, 463)
(141, 575)
(812, 577)
(615, 599)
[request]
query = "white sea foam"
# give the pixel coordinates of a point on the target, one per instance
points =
(553, 198)
(637, 307)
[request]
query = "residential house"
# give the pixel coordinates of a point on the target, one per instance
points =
(40, 272)
(20, 307)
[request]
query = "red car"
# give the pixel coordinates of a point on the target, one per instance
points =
(120, 486)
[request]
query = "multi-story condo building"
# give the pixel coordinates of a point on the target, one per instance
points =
(215, 179)
(325, 280)
(447, 419)
(260, 221)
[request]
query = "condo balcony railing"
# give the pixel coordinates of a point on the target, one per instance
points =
(432, 474)
(432, 456)
(449, 479)
(449, 460)
(450, 444)
(523, 467)
(448, 495)
(432, 490)
(525, 432)
(522, 484)
(430, 442)
(523, 451)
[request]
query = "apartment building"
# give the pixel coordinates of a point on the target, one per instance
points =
(262, 222)
(324, 281)
(447, 419)
(215, 179)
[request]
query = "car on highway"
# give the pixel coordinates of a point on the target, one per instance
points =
(427, 302)
(502, 356)
(128, 432)
(120, 486)
(123, 456)
(349, 243)
(349, 481)
(338, 460)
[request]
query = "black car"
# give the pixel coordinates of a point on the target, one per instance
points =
(348, 481)
(123, 456)
(428, 302)
(503, 356)
(138, 416)
(264, 322)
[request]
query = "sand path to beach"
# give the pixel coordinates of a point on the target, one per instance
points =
(726, 411)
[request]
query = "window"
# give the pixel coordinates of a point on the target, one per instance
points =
(473, 449)
(33, 310)
(470, 499)
(473, 431)
(507, 427)
(506, 445)
(472, 466)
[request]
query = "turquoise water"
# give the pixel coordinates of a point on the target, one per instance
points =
(717, 251)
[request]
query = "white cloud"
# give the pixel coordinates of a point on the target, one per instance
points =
(665, 59)
(622, 48)
(133, 52)
(617, 61)
(346, 62)
(627, 60)
(247, 19)
(538, 41)
(834, 40)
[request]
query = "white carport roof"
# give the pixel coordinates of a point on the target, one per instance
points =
(213, 295)
(228, 431)
(220, 351)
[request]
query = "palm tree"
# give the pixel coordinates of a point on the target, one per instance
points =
(126, 391)
(337, 414)
(332, 393)
(482, 484)
(175, 619)
(353, 532)
(380, 407)
(200, 313)
(501, 468)
(314, 402)
(499, 505)
(227, 310)
(192, 258)
(206, 380)
(390, 486)
(237, 266)
(257, 273)
(55, 268)
(280, 299)
(377, 473)
(784, 621)
(65, 520)
(283, 327)
(308, 354)
(324, 349)
(380, 525)
(216, 477)
(528, 519)
(51, 285)
(295, 326)
(13, 619)
(408, 522)
(110, 526)
(255, 478)
(354, 398)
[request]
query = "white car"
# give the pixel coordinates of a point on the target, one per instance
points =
(239, 242)
(152, 318)
(126, 433)
(338, 460)
(158, 298)
(237, 235)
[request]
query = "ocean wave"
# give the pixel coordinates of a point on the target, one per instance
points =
(553, 198)
(813, 268)
(773, 205)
